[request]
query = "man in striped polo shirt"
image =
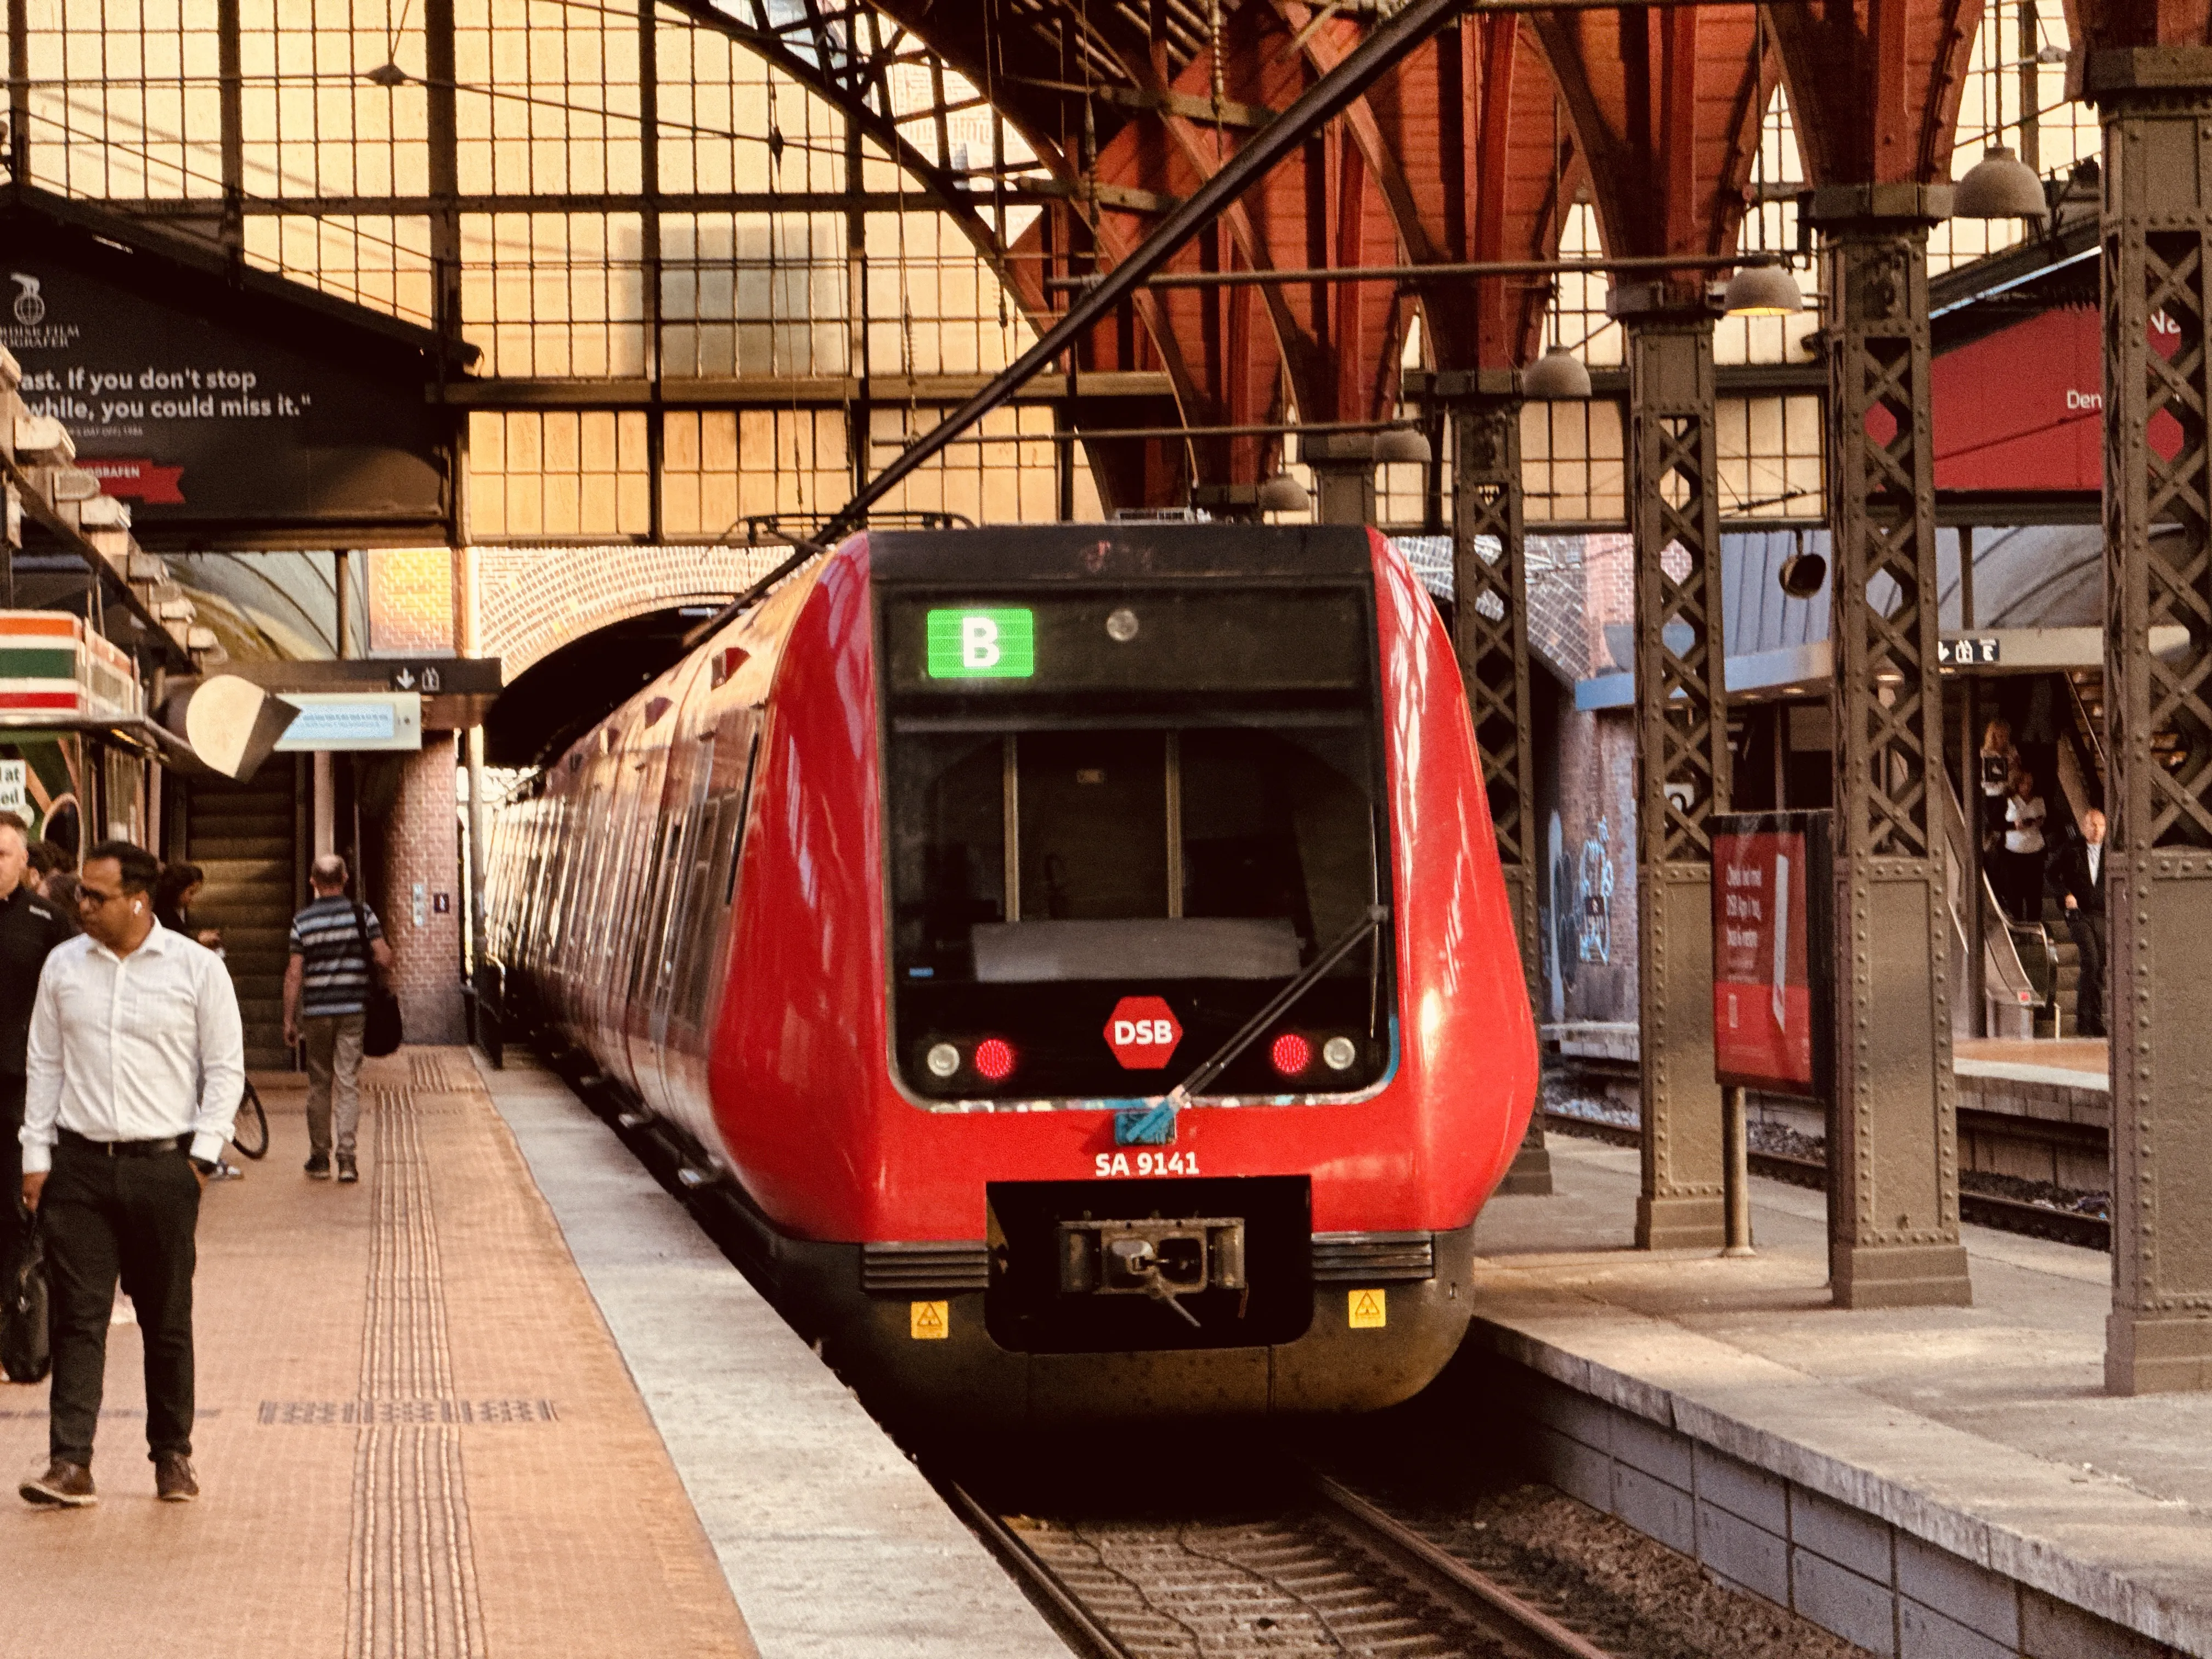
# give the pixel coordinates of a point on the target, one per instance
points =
(338, 946)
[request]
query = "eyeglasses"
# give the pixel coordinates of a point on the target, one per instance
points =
(94, 897)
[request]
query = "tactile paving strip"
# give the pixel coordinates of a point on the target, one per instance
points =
(411, 1587)
(416, 1437)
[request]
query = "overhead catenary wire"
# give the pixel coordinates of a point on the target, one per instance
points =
(1383, 48)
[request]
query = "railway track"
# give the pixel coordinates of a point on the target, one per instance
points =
(1325, 1572)
(1983, 1209)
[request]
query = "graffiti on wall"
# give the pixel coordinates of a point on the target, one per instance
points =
(1594, 890)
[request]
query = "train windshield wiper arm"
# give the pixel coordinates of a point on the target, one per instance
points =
(1214, 1065)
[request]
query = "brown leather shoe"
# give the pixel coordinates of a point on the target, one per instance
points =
(174, 1482)
(63, 1487)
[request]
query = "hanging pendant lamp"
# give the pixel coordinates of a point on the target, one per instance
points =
(1401, 445)
(1764, 291)
(1557, 376)
(2000, 186)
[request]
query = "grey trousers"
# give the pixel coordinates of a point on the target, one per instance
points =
(333, 1043)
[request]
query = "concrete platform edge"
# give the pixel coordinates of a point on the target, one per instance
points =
(1611, 1357)
(833, 1544)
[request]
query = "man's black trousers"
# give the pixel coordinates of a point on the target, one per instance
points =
(2089, 938)
(11, 1175)
(134, 1218)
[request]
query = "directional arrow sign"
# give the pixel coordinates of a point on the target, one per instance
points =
(1143, 1031)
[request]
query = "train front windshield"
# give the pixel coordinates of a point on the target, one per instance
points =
(1118, 824)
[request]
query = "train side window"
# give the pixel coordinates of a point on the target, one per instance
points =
(658, 880)
(717, 824)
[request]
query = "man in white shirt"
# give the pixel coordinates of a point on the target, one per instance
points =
(136, 1065)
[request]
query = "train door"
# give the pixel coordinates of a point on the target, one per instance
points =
(680, 913)
(637, 817)
(589, 850)
(702, 949)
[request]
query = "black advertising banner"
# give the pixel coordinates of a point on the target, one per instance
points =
(1773, 953)
(226, 412)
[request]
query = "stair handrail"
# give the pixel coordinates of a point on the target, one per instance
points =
(2002, 968)
(2085, 739)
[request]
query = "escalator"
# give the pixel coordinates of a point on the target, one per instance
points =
(2011, 952)
(2031, 968)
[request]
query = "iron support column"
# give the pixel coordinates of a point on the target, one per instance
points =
(1681, 755)
(1489, 633)
(1343, 465)
(1892, 1142)
(2156, 107)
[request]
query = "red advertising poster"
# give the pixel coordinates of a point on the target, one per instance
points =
(1769, 971)
(2023, 408)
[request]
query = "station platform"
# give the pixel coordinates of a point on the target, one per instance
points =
(501, 1397)
(1929, 1483)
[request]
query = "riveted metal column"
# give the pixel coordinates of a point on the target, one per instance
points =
(1892, 1149)
(2157, 229)
(1681, 755)
(1490, 631)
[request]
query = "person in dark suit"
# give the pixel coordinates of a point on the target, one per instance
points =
(2080, 879)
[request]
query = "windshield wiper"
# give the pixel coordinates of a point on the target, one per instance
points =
(1212, 1065)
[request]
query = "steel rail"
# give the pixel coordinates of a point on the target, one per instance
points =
(1004, 1542)
(1442, 1573)
(1357, 1531)
(2010, 1215)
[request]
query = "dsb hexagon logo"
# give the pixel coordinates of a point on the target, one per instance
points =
(1143, 1032)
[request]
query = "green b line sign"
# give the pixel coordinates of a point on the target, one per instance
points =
(982, 645)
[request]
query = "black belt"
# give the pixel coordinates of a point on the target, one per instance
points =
(125, 1148)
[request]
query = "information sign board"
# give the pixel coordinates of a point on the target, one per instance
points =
(216, 407)
(983, 644)
(331, 721)
(1774, 957)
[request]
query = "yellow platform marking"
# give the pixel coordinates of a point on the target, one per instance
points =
(929, 1321)
(1370, 1310)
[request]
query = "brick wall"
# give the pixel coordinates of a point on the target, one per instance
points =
(422, 844)
(410, 601)
(533, 600)
(1555, 604)
(1596, 762)
(1608, 595)
(1588, 585)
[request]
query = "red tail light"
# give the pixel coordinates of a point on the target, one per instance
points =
(994, 1059)
(1291, 1054)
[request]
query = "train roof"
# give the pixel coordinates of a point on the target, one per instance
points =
(1089, 552)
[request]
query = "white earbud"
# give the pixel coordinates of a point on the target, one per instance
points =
(136, 907)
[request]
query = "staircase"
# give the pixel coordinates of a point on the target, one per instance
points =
(246, 837)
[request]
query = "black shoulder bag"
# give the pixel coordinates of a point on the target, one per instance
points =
(24, 1355)
(382, 1033)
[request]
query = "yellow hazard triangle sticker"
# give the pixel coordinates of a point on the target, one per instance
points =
(929, 1321)
(1368, 1310)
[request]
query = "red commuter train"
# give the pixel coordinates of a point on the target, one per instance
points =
(1079, 953)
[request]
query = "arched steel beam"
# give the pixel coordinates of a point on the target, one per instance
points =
(1663, 100)
(846, 52)
(1875, 92)
(1478, 110)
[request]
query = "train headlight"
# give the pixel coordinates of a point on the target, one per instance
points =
(1338, 1053)
(944, 1059)
(1291, 1054)
(1121, 626)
